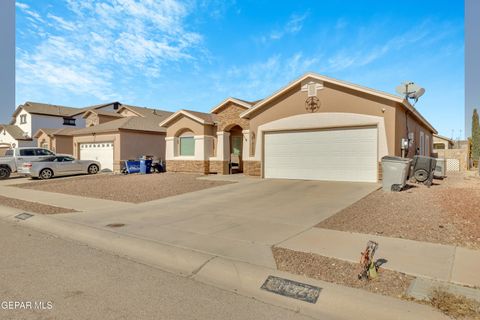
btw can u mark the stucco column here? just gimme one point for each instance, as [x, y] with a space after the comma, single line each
[223, 146]
[170, 145]
[203, 147]
[246, 145]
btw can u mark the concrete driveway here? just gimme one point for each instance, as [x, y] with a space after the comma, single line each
[239, 221]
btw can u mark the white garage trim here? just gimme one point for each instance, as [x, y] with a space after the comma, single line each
[98, 151]
[323, 120]
[337, 154]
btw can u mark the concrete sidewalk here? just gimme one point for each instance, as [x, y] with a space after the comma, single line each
[62, 200]
[335, 301]
[423, 259]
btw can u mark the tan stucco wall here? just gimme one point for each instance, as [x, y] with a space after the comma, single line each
[332, 99]
[135, 144]
[446, 143]
[413, 126]
[45, 138]
[94, 119]
[63, 144]
[184, 123]
[100, 137]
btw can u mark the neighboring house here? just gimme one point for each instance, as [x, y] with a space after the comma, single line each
[455, 153]
[128, 134]
[314, 128]
[441, 142]
[57, 140]
[12, 136]
[32, 116]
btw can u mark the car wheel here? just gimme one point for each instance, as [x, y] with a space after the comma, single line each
[93, 169]
[4, 173]
[46, 174]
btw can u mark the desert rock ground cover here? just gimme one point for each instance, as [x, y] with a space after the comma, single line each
[446, 213]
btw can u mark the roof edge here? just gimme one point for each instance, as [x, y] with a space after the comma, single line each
[184, 113]
[230, 99]
[341, 83]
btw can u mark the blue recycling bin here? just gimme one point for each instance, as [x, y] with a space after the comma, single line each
[132, 166]
[145, 166]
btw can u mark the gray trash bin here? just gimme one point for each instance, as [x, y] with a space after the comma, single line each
[395, 172]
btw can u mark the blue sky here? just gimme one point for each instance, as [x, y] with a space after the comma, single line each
[193, 54]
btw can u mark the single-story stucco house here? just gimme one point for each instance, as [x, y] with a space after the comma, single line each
[315, 127]
[57, 140]
[127, 133]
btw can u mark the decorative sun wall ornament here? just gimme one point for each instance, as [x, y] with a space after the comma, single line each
[312, 104]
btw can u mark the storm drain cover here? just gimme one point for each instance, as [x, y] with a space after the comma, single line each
[24, 216]
[292, 289]
[115, 225]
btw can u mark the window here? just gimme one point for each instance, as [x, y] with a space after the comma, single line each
[187, 146]
[23, 119]
[27, 152]
[68, 159]
[9, 153]
[438, 146]
[43, 152]
[422, 144]
[68, 121]
[427, 146]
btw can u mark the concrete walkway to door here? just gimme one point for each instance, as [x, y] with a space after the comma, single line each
[239, 221]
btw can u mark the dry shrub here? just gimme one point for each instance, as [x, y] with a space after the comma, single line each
[455, 306]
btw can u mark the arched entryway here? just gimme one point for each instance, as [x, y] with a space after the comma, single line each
[235, 148]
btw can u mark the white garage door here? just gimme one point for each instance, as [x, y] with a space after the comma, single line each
[334, 155]
[99, 151]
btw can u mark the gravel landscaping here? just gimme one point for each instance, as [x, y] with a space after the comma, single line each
[390, 283]
[32, 206]
[134, 188]
[446, 213]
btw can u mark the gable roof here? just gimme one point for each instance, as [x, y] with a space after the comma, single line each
[201, 117]
[405, 103]
[44, 109]
[443, 138]
[125, 123]
[101, 112]
[15, 132]
[240, 102]
[54, 132]
[145, 112]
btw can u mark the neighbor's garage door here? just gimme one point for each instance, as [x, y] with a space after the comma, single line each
[99, 151]
[335, 155]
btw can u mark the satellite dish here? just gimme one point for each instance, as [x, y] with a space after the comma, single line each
[418, 94]
[410, 90]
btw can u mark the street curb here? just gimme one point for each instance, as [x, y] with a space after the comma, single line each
[168, 258]
[335, 302]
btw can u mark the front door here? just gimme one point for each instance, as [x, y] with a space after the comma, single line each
[236, 146]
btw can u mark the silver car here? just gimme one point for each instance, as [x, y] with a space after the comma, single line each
[60, 165]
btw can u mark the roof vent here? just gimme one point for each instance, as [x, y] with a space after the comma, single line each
[312, 87]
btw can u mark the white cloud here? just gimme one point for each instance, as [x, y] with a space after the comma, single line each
[95, 42]
[21, 5]
[292, 26]
[61, 23]
[256, 80]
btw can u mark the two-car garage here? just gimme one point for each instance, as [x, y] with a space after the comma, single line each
[342, 154]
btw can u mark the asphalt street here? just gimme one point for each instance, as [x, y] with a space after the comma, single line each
[45, 277]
